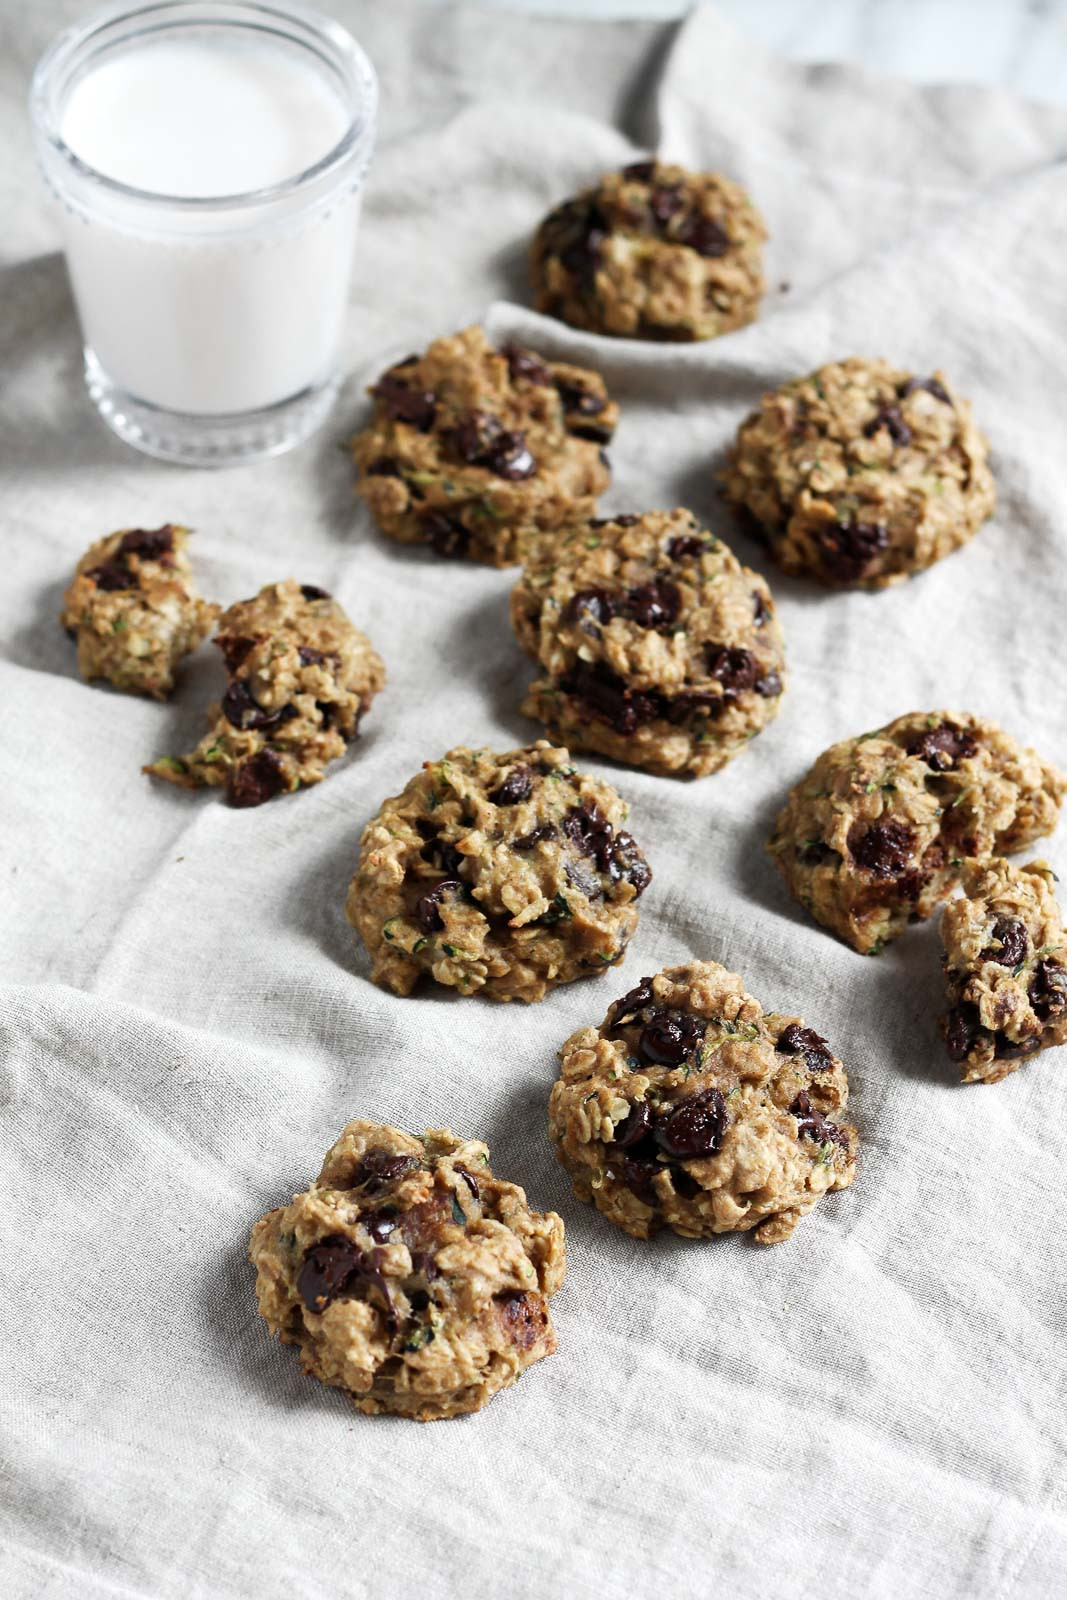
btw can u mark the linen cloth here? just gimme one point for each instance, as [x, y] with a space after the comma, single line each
[876, 1407]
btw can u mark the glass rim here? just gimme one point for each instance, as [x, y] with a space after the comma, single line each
[360, 102]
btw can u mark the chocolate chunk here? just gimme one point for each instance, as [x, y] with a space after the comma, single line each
[527, 841]
[1048, 989]
[150, 545]
[602, 694]
[634, 1000]
[515, 787]
[446, 535]
[328, 1269]
[811, 1124]
[656, 604]
[665, 201]
[636, 1126]
[257, 780]
[962, 1030]
[524, 364]
[418, 407]
[384, 467]
[637, 1175]
[1014, 1049]
[244, 712]
[931, 385]
[889, 417]
[695, 1128]
[686, 545]
[310, 657]
[111, 577]
[670, 1037]
[599, 605]
[380, 1225]
[798, 1041]
[884, 849]
[234, 650]
[578, 399]
[640, 171]
[944, 747]
[1009, 945]
[575, 232]
[703, 235]
[427, 911]
[481, 441]
[737, 670]
[311, 591]
[850, 546]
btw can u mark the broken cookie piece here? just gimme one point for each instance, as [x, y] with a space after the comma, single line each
[409, 1275]
[501, 873]
[134, 611]
[689, 1108]
[879, 832]
[1005, 958]
[471, 448]
[301, 678]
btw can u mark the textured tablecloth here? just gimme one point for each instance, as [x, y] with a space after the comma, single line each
[876, 1408]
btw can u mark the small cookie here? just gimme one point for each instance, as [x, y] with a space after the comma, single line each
[470, 447]
[861, 474]
[688, 1108]
[301, 678]
[652, 252]
[507, 874]
[1005, 969]
[409, 1275]
[134, 611]
[881, 829]
[658, 648]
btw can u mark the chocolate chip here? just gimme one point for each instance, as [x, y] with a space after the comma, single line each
[527, 841]
[761, 611]
[1010, 943]
[769, 686]
[380, 1167]
[311, 591]
[427, 911]
[640, 171]
[889, 417]
[670, 1037]
[637, 1175]
[405, 404]
[665, 201]
[685, 545]
[255, 781]
[634, 1000]
[599, 605]
[244, 712]
[481, 441]
[884, 849]
[737, 670]
[656, 604]
[627, 863]
[602, 694]
[944, 747]
[149, 545]
[515, 787]
[524, 364]
[445, 534]
[962, 1029]
[380, 1225]
[1012, 1049]
[310, 657]
[636, 1126]
[797, 1041]
[695, 1127]
[931, 385]
[850, 546]
[811, 1124]
[575, 232]
[384, 467]
[577, 398]
[595, 432]
[111, 577]
[234, 650]
[703, 235]
[327, 1271]
[1048, 989]
[616, 855]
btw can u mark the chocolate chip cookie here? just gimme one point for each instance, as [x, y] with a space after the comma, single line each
[470, 447]
[879, 832]
[409, 1275]
[1005, 969]
[301, 678]
[134, 610]
[505, 874]
[652, 252]
[861, 474]
[691, 1109]
[657, 647]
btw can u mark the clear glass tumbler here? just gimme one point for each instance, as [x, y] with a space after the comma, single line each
[212, 323]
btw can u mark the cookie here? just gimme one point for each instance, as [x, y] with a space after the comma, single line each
[499, 874]
[300, 679]
[134, 611]
[657, 647]
[469, 447]
[652, 252]
[880, 830]
[1005, 969]
[691, 1109]
[409, 1275]
[861, 474]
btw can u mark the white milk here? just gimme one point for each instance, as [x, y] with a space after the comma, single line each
[209, 309]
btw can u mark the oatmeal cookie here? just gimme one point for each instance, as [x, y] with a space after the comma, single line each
[861, 474]
[691, 1109]
[652, 252]
[301, 677]
[409, 1275]
[502, 873]
[657, 647]
[1005, 969]
[881, 829]
[470, 447]
[134, 611]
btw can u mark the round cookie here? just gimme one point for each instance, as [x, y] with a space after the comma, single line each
[688, 1108]
[861, 474]
[657, 647]
[469, 447]
[301, 677]
[652, 252]
[1005, 970]
[134, 610]
[409, 1275]
[505, 874]
[879, 832]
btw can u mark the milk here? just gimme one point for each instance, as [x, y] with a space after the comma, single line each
[210, 243]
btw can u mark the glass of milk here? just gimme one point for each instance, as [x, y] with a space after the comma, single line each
[208, 160]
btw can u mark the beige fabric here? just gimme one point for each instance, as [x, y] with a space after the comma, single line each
[875, 1408]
